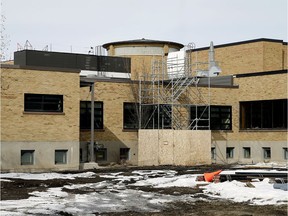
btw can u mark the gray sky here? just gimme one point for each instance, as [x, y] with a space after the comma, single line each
[81, 24]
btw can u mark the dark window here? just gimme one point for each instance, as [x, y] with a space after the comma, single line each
[27, 157]
[61, 156]
[213, 153]
[229, 152]
[220, 117]
[247, 152]
[150, 118]
[43, 103]
[101, 154]
[270, 114]
[285, 153]
[267, 152]
[85, 115]
[130, 116]
[124, 153]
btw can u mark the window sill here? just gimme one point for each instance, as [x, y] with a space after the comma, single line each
[44, 113]
[130, 130]
[88, 130]
[263, 130]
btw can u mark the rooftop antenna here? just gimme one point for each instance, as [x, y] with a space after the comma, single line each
[45, 48]
[91, 51]
[28, 45]
[19, 47]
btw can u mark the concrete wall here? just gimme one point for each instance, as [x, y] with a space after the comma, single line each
[174, 147]
[257, 152]
[44, 156]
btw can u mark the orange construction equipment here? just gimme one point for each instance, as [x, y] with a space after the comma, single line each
[209, 176]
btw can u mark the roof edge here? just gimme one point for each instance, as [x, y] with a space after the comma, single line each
[243, 42]
[142, 41]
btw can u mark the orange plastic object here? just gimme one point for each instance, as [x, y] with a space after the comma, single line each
[209, 176]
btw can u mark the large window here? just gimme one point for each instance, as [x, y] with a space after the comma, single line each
[151, 120]
[43, 103]
[220, 117]
[268, 114]
[130, 116]
[85, 115]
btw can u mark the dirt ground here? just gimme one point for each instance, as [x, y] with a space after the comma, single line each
[20, 189]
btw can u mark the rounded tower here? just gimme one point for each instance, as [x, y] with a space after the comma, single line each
[142, 53]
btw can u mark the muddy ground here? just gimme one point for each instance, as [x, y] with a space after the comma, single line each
[20, 189]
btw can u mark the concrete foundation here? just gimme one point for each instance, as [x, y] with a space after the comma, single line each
[43, 158]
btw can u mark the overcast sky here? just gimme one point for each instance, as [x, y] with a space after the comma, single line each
[62, 24]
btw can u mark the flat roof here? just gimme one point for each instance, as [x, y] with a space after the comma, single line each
[142, 41]
[243, 42]
[41, 68]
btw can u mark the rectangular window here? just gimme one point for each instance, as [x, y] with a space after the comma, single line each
[268, 114]
[247, 152]
[85, 115]
[43, 103]
[267, 152]
[61, 156]
[27, 157]
[101, 154]
[124, 153]
[130, 115]
[220, 117]
[285, 153]
[213, 153]
[229, 152]
[151, 120]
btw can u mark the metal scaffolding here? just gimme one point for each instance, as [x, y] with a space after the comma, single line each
[169, 96]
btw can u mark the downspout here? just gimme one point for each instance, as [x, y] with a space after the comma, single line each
[92, 124]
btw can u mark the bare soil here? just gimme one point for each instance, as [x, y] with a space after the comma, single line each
[20, 189]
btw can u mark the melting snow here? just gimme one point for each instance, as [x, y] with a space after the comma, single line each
[119, 192]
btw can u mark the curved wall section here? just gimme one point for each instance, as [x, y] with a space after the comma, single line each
[141, 50]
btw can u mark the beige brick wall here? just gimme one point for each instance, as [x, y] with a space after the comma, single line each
[113, 96]
[16, 125]
[285, 58]
[246, 58]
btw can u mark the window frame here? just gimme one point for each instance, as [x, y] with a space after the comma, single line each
[263, 115]
[216, 117]
[285, 150]
[245, 151]
[86, 116]
[149, 116]
[130, 126]
[44, 102]
[229, 152]
[99, 150]
[213, 153]
[32, 159]
[65, 154]
[126, 152]
[266, 150]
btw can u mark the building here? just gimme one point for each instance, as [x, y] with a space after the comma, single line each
[46, 108]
